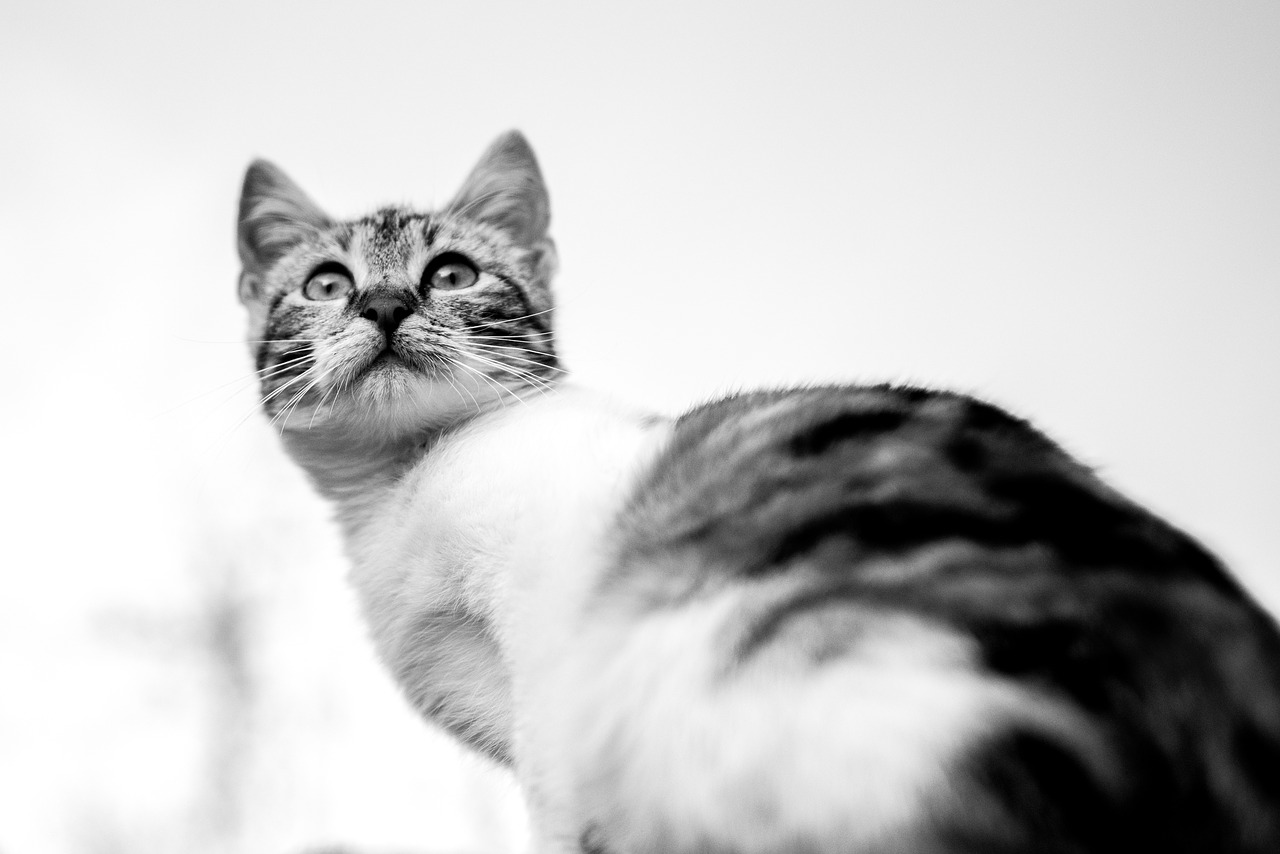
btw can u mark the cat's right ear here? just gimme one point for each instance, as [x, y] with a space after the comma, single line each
[274, 215]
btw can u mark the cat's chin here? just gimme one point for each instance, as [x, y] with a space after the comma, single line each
[391, 398]
[387, 368]
[388, 380]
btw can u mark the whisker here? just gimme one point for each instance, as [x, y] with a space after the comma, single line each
[250, 340]
[254, 374]
[488, 379]
[506, 343]
[520, 374]
[504, 320]
[522, 333]
[493, 354]
[507, 354]
[260, 405]
[294, 401]
[302, 377]
[284, 366]
[458, 387]
[528, 342]
[512, 342]
[323, 402]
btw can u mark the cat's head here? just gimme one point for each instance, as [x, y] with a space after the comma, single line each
[399, 321]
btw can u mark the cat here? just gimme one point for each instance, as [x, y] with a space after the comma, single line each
[859, 619]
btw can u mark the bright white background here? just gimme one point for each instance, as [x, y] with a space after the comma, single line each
[1070, 207]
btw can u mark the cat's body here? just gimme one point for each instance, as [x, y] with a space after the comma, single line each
[828, 619]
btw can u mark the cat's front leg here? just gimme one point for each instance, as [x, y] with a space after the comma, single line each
[553, 829]
[451, 670]
[546, 779]
[553, 842]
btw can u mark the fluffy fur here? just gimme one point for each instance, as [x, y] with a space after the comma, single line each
[813, 620]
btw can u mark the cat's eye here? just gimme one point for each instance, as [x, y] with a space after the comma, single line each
[450, 272]
[328, 283]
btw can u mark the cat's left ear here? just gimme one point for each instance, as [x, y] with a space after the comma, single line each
[505, 189]
[274, 215]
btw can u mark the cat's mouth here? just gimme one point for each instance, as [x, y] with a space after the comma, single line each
[394, 359]
[388, 360]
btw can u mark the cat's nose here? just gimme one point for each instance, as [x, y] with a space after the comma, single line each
[387, 310]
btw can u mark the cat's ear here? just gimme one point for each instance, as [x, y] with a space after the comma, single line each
[274, 215]
[505, 189]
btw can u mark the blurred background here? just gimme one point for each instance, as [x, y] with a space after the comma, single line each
[1070, 208]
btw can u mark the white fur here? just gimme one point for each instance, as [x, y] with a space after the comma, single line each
[655, 743]
[500, 522]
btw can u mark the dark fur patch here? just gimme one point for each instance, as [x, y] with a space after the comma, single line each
[966, 453]
[1085, 527]
[1258, 755]
[1059, 654]
[895, 526]
[518, 307]
[430, 229]
[983, 416]
[914, 394]
[1051, 796]
[818, 438]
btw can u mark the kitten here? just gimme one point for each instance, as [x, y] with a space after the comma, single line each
[855, 619]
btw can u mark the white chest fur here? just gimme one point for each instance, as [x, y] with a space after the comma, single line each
[469, 566]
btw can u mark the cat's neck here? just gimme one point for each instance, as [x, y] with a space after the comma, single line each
[350, 470]
[353, 461]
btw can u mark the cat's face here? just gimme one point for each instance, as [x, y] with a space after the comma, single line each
[399, 321]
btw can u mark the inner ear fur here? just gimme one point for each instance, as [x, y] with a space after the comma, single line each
[505, 189]
[274, 215]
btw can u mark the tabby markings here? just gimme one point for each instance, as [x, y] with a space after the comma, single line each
[845, 426]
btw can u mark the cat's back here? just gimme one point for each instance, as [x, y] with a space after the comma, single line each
[834, 476]
[916, 606]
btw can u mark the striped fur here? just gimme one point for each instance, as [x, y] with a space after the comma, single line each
[879, 620]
